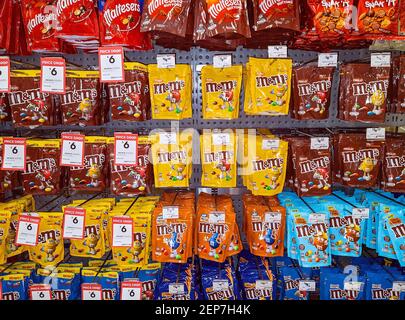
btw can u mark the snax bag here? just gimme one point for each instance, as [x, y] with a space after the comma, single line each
[5, 217]
[221, 91]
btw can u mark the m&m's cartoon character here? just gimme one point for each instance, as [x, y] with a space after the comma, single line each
[225, 170]
[136, 250]
[352, 235]
[227, 98]
[321, 175]
[214, 243]
[177, 173]
[45, 178]
[377, 99]
[174, 97]
[84, 108]
[320, 242]
[94, 174]
[91, 242]
[133, 100]
[320, 99]
[35, 111]
[49, 248]
[174, 243]
[367, 165]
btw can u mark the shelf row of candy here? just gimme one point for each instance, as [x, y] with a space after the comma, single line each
[272, 87]
[246, 278]
[69, 26]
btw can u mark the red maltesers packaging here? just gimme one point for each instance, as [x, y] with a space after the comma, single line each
[130, 100]
[363, 92]
[312, 164]
[168, 16]
[93, 176]
[77, 19]
[131, 180]
[29, 107]
[5, 112]
[81, 103]
[312, 88]
[394, 164]
[360, 160]
[221, 19]
[120, 23]
[43, 174]
[40, 23]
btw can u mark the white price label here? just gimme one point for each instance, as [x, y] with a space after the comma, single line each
[216, 217]
[72, 153]
[176, 288]
[272, 217]
[168, 138]
[264, 285]
[165, 61]
[353, 286]
[14, 154]
[361, 213]
[328, 59]
[220, 285]
[122, 232]
[131, 290]
[125, 149]
[398, 286]
[170, 212]
[40, 292]
[270, 144]
[222, 60]
[375, 134]
[320, 143]
[317, 218]
[5, 74]
[91, 291]
[221, 139]
[381, 59]
[307, 285]
[277, 51]
[111, 64]
[27, 230]
[53, 75]
[74, 223]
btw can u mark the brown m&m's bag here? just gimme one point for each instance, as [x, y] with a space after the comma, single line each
[5, 112]
[8, 179]
[394, 165]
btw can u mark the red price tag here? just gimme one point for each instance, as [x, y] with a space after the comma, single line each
[125, 149]
[14, 154]
[5, 74]
[40, 292]
[53, 75]
[131, 290]
[122, 232]
[92, 291]
[111, 64]
[74, 223]
[72, 153]
[27, 230]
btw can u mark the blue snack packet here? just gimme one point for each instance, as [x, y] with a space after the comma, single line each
[334, 287]
[14, 287]
[290, 278]
[394, 223]
[379, 285]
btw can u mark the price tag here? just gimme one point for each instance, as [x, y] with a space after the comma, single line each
[272, 217]
[74, 223]
[91, 291]
[72, 153]
[126, 149]
[167, 138]
[40, 292]
[220, 285]
[317, 218]
[361, 213]
[131, 290]
[27, 230]
[222, 60]
[353, 286]
[375, 134]
[111, 64]
[14, 154]
[398, 286]
[221, 139]
[176, 288]
[307, 285]
[320, 143]
[53, 75]
[170, 212]
[277, 51]
[382, 59]
[165, 61]
[5, 74]
[328, 59]
[270, 144]
[264, 285]
[122, 232]
[216, 217]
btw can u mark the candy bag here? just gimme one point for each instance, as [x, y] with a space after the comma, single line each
[394, 165]
[394, 223]
[221, 92]
[5, 220]
[13, 287]
[170, 92]
[8, 179]
[5, 112]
